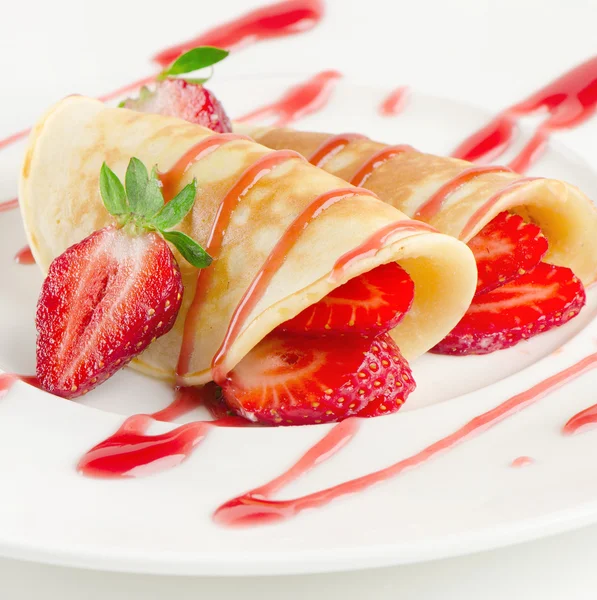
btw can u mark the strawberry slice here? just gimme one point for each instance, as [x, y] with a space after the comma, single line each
[105, 299]
[547, 297]
[371, 303]
[506, 248]
[294, 380]
[188, 101]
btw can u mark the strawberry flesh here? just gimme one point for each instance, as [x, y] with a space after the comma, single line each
[103, 302]
[505, 249]
[188, 101]
[295, 380]
[371, 303]
[546, 297]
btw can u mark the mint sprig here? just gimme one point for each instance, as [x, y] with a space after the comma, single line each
[193, 60]
[139, 206]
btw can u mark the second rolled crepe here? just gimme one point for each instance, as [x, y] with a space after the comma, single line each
[61, 204]
[410, 181]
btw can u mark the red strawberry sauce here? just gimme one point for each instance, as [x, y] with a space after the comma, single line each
[299, 101]
[584, 420]
[24, 256]
[171, 178]
[522, 461]
[131, 452]
[376, 161]
[435, 203]
[332, 146]
[569, 101]
[394, 103]
[9, 204]
[273, 21]
[7, 380]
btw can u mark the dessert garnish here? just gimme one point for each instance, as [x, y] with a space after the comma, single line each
[185, 97]
[106, 298]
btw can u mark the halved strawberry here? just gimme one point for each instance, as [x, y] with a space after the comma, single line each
[106, 298]
[179, 98]
[546, 297]
[102, 303]
[371, 303]
[294, 380]
[506, 248]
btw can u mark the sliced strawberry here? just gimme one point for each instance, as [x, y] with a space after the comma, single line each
[103, 302]
[294, 380]
[546, 297]
[189, 101]
[372, 303]
[506, 248]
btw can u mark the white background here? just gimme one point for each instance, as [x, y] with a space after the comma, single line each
[490, 53]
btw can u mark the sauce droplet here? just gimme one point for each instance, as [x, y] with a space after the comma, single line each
[583, 421]
[395, 102]
[522, 461]
[24, 256]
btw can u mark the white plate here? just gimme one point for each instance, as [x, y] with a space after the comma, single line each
[468, 499]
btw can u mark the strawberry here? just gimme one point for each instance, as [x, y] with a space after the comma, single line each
[185, 98]
[188, 101]
[506, 248]
[372, 303]
[106, 298]
[544, 298]
[294, 380]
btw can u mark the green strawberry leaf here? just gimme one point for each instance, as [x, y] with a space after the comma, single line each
[177, 209]
[189, 248]
[136, 180]
[140, 204]
[193, 60]
[112, 192]
[154, 200]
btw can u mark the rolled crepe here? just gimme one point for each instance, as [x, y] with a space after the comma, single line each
[453, 195]
[350, 233]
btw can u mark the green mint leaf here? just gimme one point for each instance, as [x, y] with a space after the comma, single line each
[136, 181]
[154, 200]
[177, 209]
[189, 248]
[112, 192]
[193, 60]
